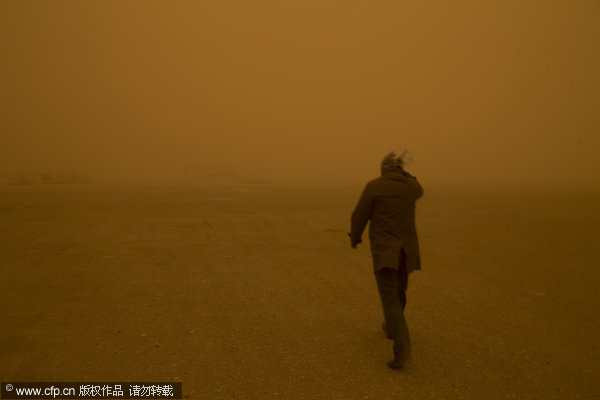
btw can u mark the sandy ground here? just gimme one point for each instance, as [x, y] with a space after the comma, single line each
[254, 293]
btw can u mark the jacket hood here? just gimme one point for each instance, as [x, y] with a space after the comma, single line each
[396, 173]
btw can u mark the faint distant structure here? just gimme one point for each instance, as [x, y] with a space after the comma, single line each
[46, 179]
[20, 179]
[68, 179]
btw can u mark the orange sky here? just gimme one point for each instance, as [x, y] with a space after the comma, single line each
[312, 91]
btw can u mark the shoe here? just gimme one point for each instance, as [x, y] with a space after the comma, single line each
[398, 361]
[384, 327]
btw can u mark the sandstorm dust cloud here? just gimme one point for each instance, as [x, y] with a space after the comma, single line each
[301, 92]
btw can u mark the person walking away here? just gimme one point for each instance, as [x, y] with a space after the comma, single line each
[388, 203]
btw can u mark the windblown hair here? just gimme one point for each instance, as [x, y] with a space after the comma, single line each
[392, 160]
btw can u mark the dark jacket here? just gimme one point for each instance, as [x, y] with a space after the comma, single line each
[389, 203]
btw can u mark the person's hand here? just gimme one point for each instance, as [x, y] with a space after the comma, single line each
[354, 243]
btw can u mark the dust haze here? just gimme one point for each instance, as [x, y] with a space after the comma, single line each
[301, 92]
[263, 120]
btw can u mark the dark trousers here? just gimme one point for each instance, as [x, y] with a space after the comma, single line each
[392, 285]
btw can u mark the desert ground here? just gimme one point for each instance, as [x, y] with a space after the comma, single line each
[253, 292]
